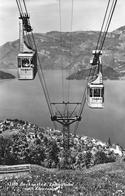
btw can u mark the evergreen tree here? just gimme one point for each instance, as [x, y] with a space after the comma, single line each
[4, 149]
[19, 148]
[36, 154]
[100, 157]
[109, 142]
[53, 151]
[88, 158]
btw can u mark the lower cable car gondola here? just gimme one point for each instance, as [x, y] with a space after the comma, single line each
[95, 93]
[27, 66]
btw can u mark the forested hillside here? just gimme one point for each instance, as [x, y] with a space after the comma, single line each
[22, 142]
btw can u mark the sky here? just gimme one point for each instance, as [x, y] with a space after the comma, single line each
[44, 16]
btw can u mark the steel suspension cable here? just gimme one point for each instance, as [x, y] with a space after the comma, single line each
[101, 33]
[103, 24]
[25, 7]
[61, 46]
[73, 111]
[108, 23]
[42, 80]
[19, 7]
[83, 102]
[71, 26]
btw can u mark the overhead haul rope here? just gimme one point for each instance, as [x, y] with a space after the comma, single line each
[98, 47]
[102, 24]
[42, 79]
[71, 39]
[25, 6]
[61, 46]
[105, 26]
[108, 23]
[19, 7]
[40, 71]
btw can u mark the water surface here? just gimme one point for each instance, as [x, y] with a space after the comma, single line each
[25, 100]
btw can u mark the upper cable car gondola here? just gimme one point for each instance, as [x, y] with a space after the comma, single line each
[95, 87]
[27, 58]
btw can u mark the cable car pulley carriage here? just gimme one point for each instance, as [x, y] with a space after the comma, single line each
[27, 57]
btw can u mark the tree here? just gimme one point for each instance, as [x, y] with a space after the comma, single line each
[19, 148]
[109, 142]
[36, 154]
[100, 157]
[111, 157]
[52, 154]
[4, 149]
[88, 159]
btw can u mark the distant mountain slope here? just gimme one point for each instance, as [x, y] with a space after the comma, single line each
[56, 52]
[8, 55]
[108, 73]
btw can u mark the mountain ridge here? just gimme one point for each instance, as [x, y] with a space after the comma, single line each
[71, 50]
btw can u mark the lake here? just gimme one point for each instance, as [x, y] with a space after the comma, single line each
[25, 100]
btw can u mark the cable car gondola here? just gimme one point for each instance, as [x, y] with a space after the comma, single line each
[95, 93]
[95, 87]
[27, 57]
[26, 66]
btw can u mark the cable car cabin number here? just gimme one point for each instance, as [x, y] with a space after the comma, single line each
[26, 66]
[95, 95]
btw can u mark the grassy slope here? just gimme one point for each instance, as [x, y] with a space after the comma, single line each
[101, 180]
